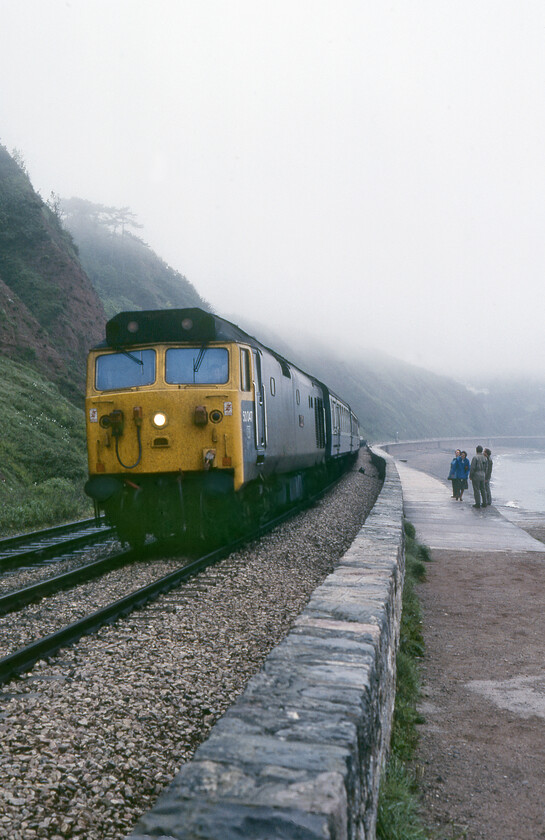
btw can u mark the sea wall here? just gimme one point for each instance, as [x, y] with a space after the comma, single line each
[470, 442]
[300, 754]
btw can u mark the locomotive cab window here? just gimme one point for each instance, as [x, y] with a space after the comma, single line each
[125, 370]
[245, 377]
[197, 366]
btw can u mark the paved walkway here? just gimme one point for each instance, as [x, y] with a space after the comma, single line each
[443, 523]
[481, 754]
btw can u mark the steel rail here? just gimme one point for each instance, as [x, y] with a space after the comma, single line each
[45, 533]
[13, 601]
[25, 658]
[52, 545]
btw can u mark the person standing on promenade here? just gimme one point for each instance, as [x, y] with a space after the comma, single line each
[454, 473]
[465, 465]
[488, 455]
[477, 474]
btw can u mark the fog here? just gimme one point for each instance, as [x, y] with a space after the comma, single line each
[370, 171]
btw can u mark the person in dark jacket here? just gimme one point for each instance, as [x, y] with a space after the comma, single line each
[477, 474]
[465, 466]
[488, 455]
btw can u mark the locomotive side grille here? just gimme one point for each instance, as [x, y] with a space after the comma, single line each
[319, 422]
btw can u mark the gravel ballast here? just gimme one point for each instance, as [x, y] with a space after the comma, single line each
[89, 739]
[18, 578]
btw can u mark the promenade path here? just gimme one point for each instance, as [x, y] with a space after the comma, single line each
[481, 756]
[442, 522]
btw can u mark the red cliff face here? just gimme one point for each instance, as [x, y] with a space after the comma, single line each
[50, 313]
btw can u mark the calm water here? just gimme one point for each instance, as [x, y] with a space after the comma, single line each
[518, 480]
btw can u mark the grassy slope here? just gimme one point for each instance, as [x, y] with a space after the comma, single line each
[43, 464]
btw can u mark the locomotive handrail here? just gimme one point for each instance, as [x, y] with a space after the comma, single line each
[256, 422]
[265, 422]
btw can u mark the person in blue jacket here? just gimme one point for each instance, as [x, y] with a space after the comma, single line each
[455, 474]
[465, 476]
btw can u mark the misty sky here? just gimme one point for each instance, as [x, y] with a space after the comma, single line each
[374, 168]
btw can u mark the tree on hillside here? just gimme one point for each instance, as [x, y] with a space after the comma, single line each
[124, 270]
[78, 211]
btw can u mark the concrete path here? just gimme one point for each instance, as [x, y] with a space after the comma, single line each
[480, 760]
[443, 523]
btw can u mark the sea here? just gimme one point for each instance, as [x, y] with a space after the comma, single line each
[518, 480]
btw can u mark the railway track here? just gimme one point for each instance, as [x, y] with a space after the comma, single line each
[28, 549]
[13, 601]
[92, 735]
[22, 660]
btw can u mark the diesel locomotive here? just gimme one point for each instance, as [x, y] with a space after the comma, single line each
[195, 429]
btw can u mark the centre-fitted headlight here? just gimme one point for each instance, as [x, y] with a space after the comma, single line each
[159, 419]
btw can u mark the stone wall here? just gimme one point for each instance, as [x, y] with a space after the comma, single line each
[300, 754]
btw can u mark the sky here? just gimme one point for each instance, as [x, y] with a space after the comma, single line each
[369, 171]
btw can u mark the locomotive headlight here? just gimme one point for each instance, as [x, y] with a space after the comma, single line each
[159, 420]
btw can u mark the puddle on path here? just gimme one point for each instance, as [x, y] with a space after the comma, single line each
[524, 696]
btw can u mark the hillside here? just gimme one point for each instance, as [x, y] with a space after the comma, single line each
[57, 287]
[124, 271]
[50, 312]
[43, 464]
[394, 399]
[391, 398]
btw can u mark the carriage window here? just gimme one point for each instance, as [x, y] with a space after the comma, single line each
[245, 379]
[273, 386]
[125, 370]
[197, 366]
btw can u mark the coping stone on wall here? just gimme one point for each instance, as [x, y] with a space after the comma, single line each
[300, 753]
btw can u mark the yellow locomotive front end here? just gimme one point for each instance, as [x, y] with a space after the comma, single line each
[164, 431]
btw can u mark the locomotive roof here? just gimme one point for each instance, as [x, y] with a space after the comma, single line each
[154, 326]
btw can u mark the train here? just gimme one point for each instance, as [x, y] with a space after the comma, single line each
[196, 430]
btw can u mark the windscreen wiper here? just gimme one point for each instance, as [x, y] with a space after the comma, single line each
[130, 356]
[198, 361]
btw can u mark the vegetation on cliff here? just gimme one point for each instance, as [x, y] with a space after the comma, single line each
[125, 272]
[43, 465]
[50, 313]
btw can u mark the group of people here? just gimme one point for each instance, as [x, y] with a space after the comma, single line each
[478, 472]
